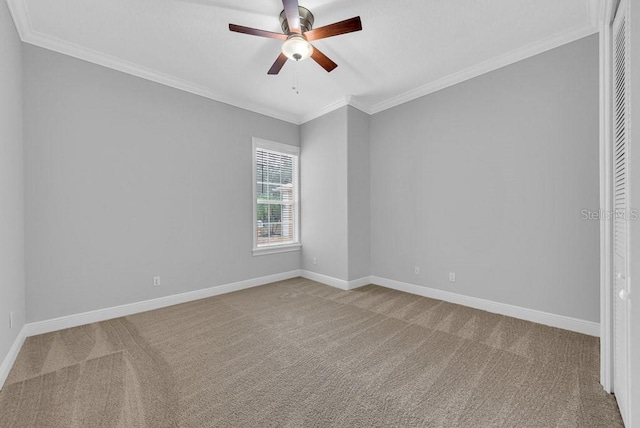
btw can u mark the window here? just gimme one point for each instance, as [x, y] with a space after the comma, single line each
[275, 198]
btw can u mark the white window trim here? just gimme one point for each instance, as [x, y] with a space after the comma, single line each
[286, 149]
[275, 249]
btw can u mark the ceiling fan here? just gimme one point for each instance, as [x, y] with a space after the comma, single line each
[297, 33]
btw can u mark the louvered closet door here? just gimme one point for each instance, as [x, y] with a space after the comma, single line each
[620, 170]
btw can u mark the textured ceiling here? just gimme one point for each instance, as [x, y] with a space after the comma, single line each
[407, 48]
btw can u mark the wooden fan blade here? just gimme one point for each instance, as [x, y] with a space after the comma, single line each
[293, 15]
[342, 27]
[277, 66]
[256, 32]
[323, 60]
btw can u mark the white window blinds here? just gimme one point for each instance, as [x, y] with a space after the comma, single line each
[276, 194]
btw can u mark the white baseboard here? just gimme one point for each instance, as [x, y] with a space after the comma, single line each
[325, 279]
[40, 327]
[335, 282]
[11, 356]
[360, 282]
[560, 321]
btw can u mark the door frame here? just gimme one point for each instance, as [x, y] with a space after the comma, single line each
[606, 15]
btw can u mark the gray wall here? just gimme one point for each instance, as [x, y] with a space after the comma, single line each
[12, 283]
[323, 189]
[127, 179]
[634, 238]
[488, 179]
[359, 193]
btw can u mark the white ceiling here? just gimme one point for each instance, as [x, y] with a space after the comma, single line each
[407, 48]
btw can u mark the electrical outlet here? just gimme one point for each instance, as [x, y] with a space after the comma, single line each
[315, 260]
[156, 281]
[10, 319]
[416, 269]
[452, 276]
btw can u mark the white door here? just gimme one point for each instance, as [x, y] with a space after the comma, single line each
[621, 205]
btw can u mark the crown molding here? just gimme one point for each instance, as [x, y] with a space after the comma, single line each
[20, 15]
[348, 100]
[118, 64]
[324, 110]
[359, 104]
[488, 66]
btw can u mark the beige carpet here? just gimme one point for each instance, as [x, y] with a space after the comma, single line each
[297, 353]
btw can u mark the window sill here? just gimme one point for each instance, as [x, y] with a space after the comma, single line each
[261, 251]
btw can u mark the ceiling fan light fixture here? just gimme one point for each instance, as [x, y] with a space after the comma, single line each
[297, 33]
[297, 48]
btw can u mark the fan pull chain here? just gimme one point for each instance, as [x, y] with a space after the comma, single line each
[295, 86]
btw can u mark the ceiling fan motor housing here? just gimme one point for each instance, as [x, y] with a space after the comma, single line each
[306, 20]
[296, 45]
